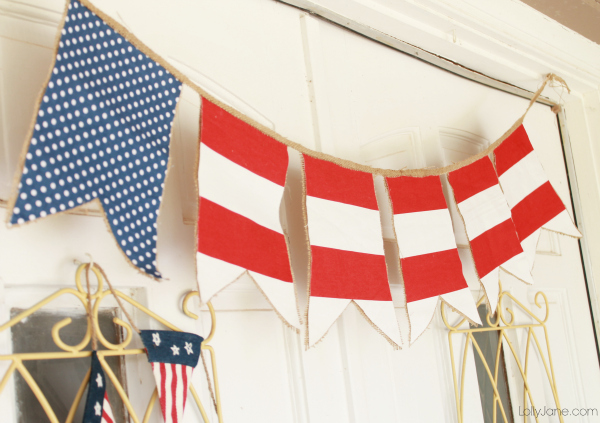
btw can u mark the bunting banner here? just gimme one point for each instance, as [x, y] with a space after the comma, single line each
[533, 202]
[173, 356]
[241, 178]
[429, 260]
[102, 134]
[489, 226]
[97, 407]
[346, 246]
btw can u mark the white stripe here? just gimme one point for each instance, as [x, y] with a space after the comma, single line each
[343, 226]
[491, 285]
[529, 246]
[157, 378]
[190, 371]
[239, 190]
[179, 390]
[383, 316]
[522, 179]
[424, 232]
[519, 267]
[281, 295]
[420, 314]
[106, 408]
[483, 211]
[214, 275]
[322, 312]
[462, 300]
[168, 397]
[563, 224]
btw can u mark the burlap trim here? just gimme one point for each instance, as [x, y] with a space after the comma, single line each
[387, 270]
[564, 234]
[387, 338]
[12, 200]
[288, 246]
[389, 197]
[341, 162]
[309, 265]
[285, 322]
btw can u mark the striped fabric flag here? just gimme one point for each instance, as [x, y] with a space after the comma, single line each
[242, 176]
[102, 134]
[490, 229]
[97, 407]
[533, 203]
[173, 356]
[346, 243]
[429, 260]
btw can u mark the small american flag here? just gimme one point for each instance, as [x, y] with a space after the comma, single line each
[173, 356]
[97, 408]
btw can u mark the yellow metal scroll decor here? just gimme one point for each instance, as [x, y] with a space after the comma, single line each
[503, 324]
[92, 302]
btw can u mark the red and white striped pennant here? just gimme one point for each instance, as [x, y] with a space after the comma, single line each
[242, 175]
[173, 357]
[107, 414]
[346, 243]
[533, 202]
[490, 229]
[172, 382]
[430, 264]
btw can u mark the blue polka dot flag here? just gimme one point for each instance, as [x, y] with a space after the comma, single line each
[102, 132]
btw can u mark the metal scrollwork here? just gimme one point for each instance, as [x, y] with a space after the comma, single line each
[92, 303]
[503, 323]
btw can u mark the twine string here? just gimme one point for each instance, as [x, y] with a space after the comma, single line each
[114, 293]
[209, 382]
[89, 306]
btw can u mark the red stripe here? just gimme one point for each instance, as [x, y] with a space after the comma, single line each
[243, 144]
[332, 182]
[472, 179]
[236, 239]
[411, 195]
[185, 384]
[163, 389]
[535, 210]
[495, 247]
[430, 275]
[174, 393]
[347, 274]
[105, 417]
[512, 150]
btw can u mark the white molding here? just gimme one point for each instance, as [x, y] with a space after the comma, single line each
[502, 39]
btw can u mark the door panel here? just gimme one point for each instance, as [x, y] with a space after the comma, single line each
[336, 92]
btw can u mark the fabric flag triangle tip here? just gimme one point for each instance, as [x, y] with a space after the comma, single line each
[173, 356]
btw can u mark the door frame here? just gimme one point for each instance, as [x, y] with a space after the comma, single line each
[509, 46]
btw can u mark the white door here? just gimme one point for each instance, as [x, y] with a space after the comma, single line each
[335, 92]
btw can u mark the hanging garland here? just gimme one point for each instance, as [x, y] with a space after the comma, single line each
[102, 132]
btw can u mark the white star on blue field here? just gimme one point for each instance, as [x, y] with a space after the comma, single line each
[102, 131]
